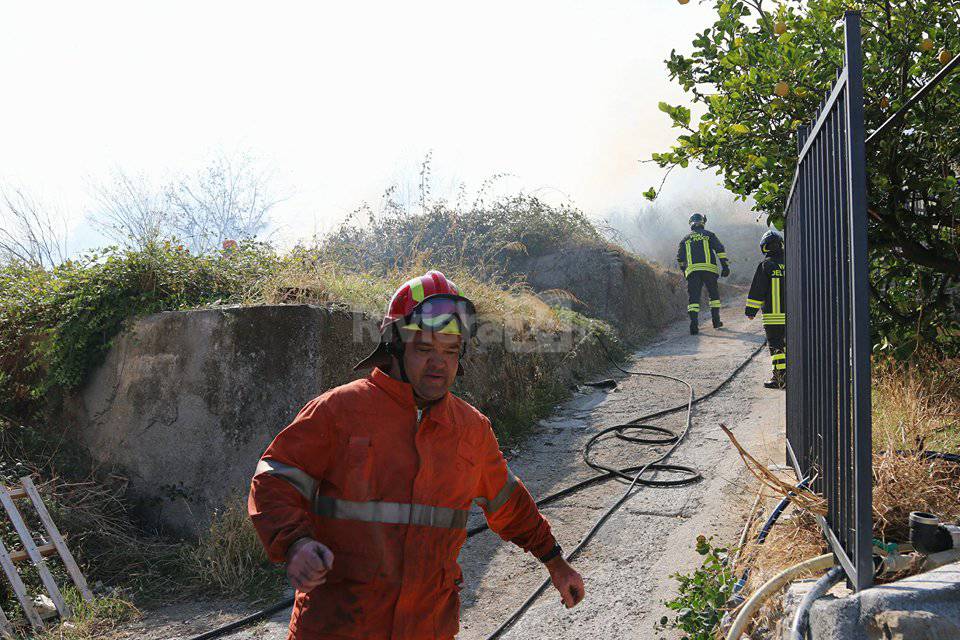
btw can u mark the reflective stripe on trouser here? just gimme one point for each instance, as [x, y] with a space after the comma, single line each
[696, 281]
[714, 304]
[777, 341]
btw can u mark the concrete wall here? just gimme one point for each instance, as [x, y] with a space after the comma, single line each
[635, 296]
[186, 402]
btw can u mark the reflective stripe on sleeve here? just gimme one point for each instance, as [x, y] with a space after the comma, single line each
[754, 304]
[722, 255]
[391, 513]
[300, 479]
[504, 494]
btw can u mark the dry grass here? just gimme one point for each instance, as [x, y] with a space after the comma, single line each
[905, 483]
[230, 560]
[90, 620]
[308, 279]
[917, 407]
[914, 410]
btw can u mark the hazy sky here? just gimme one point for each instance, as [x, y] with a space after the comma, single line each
[340, 99]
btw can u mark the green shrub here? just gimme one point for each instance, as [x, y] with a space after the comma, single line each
[55, 326]
[702, 595]
[480, 236]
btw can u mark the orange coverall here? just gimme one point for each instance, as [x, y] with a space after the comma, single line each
[389, 493]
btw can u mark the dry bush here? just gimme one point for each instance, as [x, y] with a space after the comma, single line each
[229, 559]
[916, 406]
[905, 483]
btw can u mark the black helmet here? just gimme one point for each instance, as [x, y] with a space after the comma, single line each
[697, 220]
[771, 242]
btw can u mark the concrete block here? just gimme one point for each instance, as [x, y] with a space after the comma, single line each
[923, 606]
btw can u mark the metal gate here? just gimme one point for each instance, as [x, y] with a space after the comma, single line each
[828, 342]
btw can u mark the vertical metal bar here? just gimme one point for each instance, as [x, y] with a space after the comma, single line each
[829, 293]
[821, 302]
[843, 388]
[859, 302]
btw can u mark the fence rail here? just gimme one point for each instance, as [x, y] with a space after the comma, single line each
[828, 391]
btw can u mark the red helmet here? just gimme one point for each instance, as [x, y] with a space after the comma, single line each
[429, 302]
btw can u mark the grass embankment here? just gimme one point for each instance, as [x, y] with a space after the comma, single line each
[57, 325]
[916, 408]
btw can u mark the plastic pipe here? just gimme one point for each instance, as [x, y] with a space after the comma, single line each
[770, 587]
[798, 631]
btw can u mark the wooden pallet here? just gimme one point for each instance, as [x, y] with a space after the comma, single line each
[36, 554]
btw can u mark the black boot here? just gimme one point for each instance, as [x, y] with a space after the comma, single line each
[694, 323]
[715, 313]
[777, 381]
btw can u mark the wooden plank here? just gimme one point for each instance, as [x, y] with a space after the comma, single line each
[26, 539]
[58, 540]
[19, 588]
[46, 551]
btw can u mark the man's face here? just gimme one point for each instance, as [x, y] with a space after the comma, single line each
[430, 360]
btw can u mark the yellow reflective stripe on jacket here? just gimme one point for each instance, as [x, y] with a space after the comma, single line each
[754, 304]
[702, 266]
[706, 251]
[775, 296]
[689, 245]
[391, 513]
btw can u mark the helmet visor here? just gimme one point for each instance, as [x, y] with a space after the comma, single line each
[443, 313]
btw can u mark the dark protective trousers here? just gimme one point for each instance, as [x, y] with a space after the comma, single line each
[695, 283]
[777, 341]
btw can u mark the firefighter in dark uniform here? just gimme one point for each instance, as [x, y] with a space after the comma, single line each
[767, 294]
[702, 260]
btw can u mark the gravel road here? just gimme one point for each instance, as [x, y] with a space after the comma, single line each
[627, 566]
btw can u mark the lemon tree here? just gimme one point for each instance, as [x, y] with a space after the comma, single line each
[760, 71]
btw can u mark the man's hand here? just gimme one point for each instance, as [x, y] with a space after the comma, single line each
[567, 581]
[308, 562]
[725, 271]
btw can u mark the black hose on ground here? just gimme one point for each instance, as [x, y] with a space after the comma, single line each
[622, 432]
[636, 479]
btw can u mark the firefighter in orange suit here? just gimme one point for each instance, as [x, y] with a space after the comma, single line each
[365, 495]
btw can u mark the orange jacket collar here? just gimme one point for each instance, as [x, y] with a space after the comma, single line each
[402, 392]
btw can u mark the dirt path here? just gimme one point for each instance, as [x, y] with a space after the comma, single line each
[627, 565]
